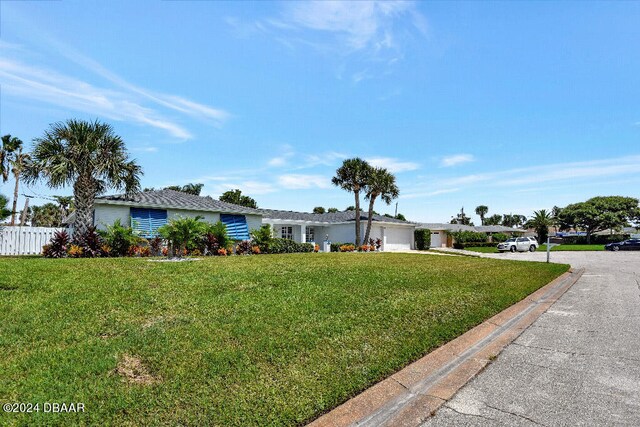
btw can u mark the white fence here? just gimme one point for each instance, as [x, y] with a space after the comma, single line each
[24, 240]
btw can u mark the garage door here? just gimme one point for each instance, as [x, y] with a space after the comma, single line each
[436, 239]
[398, 238]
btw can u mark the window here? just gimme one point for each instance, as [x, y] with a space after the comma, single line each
[310, 234]
[146, 222]
[287, 232]
[237, 228]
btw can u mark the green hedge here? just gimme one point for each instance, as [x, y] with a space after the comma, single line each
[603, 240]
[474, 245]
[287, 246]
[422, 238]
[468, 236]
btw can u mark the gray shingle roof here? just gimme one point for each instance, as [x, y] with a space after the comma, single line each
[177, 200]
[334, 217]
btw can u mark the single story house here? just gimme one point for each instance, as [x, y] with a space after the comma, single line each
[440, 236]
[149, 210]
[395, 234]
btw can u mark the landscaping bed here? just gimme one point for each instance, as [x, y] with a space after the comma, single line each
[244, 340]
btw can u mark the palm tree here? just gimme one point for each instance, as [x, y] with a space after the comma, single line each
[88, 156]
[4, 211]
[47, 215]
[382, 183]
[481, 211]
[65, 204]
[541, 221]
[12, 160]
[353, 176]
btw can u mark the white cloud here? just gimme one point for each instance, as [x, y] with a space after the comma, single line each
[277, 161]
[429, 193]
[301, 181]
[145, 149]
[358, 25]
[392, 164]
[456, 159]
[249, 188]
[56, 89]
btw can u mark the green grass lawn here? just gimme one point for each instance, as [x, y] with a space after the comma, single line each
[260, 340]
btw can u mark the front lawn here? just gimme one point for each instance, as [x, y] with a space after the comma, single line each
[244, 340]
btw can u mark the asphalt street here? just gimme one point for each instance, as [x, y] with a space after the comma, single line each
[577, 364]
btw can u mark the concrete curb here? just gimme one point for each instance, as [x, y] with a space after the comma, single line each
[412, 395]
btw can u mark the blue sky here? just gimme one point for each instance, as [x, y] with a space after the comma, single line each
[519, 106]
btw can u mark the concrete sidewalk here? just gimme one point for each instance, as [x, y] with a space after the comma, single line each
[578, 364]
[409, 396]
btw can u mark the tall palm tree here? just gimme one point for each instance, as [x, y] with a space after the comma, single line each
[541, 221]
[481, 211]
[65, 205]
[382, 183]
[353, 176]
[88, 156]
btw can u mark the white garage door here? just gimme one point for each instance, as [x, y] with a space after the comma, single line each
[398, 238]
[436, 239]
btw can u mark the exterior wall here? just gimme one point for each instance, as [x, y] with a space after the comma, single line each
[107, 215]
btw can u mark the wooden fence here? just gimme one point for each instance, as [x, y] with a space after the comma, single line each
[24, 240]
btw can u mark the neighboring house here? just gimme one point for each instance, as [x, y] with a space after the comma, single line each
[440, 236]
[147, 211]
[339, 227]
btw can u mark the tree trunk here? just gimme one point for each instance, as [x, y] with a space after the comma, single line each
[357, 196]
[15, 199]
[369, 219]
[84, 193]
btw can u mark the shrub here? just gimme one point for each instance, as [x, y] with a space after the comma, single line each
[219, 231]
[90, 242]
[183, 233]
[57, 247]
[287, 246]
[243, 248]
[335, 247]
[119, 238]
[468, 236]
[316, 248]
[262, 237]
[347, 248]
[255, 250]
[499, 237]
[74, 251]
[222, 252]
[422, 238]
[105, 250]
[155, 246]
[366, 248]
[474, 245]
[196, 252]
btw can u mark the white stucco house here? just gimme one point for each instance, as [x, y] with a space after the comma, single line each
[149, 210]
[395, 234]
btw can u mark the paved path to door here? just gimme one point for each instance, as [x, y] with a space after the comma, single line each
[578, 364]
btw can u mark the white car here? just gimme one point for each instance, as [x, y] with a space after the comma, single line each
[520, 244]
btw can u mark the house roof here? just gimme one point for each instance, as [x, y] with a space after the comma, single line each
[498, 229]
[328, 218]
[175, 199]
[625, 230]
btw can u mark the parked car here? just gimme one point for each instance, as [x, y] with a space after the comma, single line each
[627, 245]
[520, 244]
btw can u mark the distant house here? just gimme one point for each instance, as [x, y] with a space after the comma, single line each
[440, 231]
[394, 234]
[149, 210]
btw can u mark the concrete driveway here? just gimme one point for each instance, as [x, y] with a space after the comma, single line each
[578, 364]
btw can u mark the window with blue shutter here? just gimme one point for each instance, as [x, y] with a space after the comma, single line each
[237, 227]
[145, 222]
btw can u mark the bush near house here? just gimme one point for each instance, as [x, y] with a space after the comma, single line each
[422, 238]
[499, 237]
[468, 236]
[474, 245]
[287, 246]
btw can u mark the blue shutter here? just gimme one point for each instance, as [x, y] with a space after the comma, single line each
[145, 222]
[237, 227]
